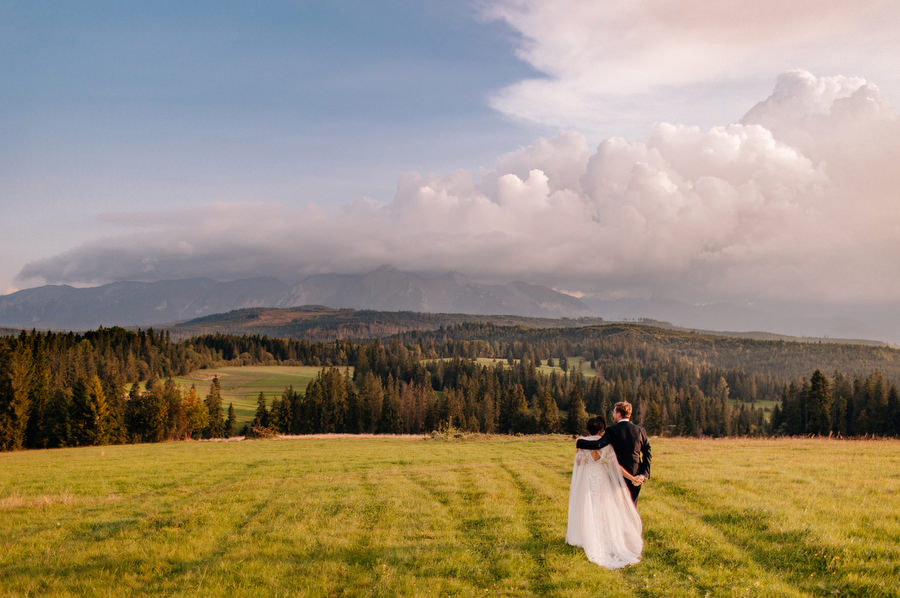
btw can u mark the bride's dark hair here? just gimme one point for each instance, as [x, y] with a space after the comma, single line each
[596, 425]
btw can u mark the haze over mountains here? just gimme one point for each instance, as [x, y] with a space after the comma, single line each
[385, 289]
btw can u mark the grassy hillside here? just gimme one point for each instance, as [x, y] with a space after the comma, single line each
[407, 516]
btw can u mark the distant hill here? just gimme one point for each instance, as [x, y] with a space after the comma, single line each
[132, 303]
[645, 342]
[318, 323]
[168, 301]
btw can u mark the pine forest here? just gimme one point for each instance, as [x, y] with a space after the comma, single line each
[116, 385]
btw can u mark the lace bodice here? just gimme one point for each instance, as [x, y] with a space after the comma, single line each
[586, 457]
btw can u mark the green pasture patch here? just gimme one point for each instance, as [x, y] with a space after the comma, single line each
[241, 385]
[766, 406]
[492, 361]
[579, 364]
[413, 516]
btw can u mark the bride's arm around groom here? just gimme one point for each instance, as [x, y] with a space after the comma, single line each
[630, 443]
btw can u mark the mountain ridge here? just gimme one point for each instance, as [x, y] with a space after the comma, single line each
[130, 303]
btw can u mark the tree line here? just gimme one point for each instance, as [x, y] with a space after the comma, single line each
[115, 385]
[840, 405]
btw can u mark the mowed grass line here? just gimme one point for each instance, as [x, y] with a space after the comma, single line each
[409, 516]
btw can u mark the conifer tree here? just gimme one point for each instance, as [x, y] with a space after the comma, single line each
[390, 422]
[549, 413]
[506, 412]
[91, 413]
[134, 414]
[876, 403]
[653, 421]
[230, 421]
[297, 410]
[36, 433]
[146, 413]
[792, 410]
[280, 415]
[335, 405]
[520, 419]
[818, 405]
[576, 421]
[59, 418]
[487, 413]
[216, 425]
[176, 418]
[15, 380]
[285, 414]
[261, 419]
[312, 408]
[893, 412]
[196, 413]
[354, 421]
[371, 396]
[842, 393]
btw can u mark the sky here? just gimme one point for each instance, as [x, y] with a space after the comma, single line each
[726, 151]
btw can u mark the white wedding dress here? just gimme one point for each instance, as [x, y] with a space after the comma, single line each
[602, 518]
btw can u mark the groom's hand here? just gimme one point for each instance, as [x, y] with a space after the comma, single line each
[638, 480]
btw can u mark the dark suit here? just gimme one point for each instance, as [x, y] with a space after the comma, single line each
[632, 448]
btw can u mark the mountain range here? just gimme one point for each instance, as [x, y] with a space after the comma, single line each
[168, 301]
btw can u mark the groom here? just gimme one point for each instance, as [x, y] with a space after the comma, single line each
[630, 444]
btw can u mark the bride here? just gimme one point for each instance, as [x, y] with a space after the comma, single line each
[602, 517]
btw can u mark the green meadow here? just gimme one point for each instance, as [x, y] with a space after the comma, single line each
[579, 364]
[413, 516]
[241, 385]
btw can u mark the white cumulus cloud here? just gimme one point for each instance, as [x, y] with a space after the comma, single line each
[609, 65]
[798, 201]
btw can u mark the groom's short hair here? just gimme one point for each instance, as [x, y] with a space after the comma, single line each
[623, 408]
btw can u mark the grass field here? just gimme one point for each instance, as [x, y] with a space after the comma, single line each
[410, 516]
[242, 385]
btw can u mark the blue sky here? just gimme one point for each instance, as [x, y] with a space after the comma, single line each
[121, 106]
[682, 149]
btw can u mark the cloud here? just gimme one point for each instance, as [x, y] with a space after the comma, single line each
[609, 65]
[796, 202]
